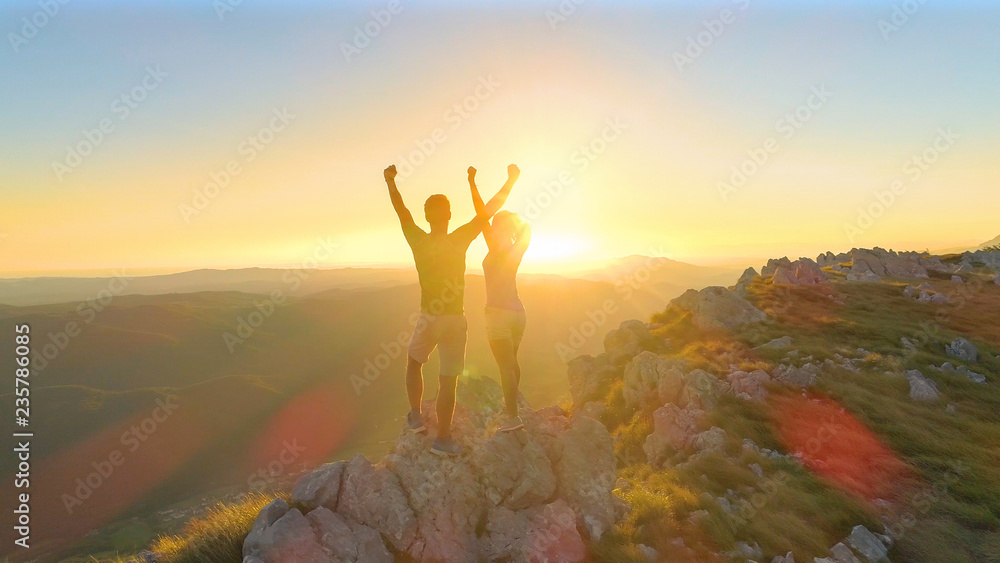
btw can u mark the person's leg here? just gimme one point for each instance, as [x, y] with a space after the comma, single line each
[422, 343]
[503, 353]
[454, 336]
[414, 383]
[446, 405]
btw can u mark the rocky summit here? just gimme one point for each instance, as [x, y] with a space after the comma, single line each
[529, 495]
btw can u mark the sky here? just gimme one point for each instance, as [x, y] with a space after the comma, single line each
[175, 135]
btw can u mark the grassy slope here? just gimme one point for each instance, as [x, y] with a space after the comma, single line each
[938, 513]
[937, 517]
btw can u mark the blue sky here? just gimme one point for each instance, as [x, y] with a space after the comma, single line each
[656, 186]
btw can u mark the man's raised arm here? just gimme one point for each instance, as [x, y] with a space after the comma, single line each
[497, 201]
[405, 218]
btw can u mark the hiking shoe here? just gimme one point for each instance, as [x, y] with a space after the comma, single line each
[445, 448]
[510, 423]
[415, 423]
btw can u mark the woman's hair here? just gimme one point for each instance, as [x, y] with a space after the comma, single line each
[507, 225]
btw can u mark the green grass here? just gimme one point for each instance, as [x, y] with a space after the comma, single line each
[959, 520]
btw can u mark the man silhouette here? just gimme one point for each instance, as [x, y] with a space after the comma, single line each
[440, 260]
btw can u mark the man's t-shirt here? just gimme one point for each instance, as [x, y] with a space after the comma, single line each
[440, 261]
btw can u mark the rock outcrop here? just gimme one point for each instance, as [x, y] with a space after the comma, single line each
[800, 272]
[529, 495]
[717, 307]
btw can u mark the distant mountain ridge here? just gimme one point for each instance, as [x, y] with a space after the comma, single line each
[671, 275]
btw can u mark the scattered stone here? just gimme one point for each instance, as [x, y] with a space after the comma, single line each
[957, 279]
[921, 388]
[757, 470]
[950, 408]
[649, 553]
[745, 280]
[718, 308]
[963, 350]
[910, 291]
[865, 543]
[749, 386]
[908, 344]
[783, 342]
[702, 389]
[843, 554]
[787, 558]
[804, 376]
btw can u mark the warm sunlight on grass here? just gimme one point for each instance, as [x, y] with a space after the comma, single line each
[216, 536]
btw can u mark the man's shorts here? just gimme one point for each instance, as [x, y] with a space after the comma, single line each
[448, 332]
[505, 324]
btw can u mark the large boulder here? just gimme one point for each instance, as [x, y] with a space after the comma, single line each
[745, 280]
[962, 349]
[800, 272]
[673, 427]
[882, 263]
[348, 541]
[718, 308]
[321, 487]
[773, 264]
[546, 533]
[589, 377]
[289, 539]
[650, 376]
[514, 471]
[373, 496]
[585, 470]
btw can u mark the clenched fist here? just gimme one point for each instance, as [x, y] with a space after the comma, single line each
[472, 174]
[390, 173]
[513, 172]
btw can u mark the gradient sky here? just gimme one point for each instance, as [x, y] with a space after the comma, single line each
[653, 190]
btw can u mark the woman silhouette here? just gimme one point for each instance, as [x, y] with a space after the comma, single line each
[507, 239]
